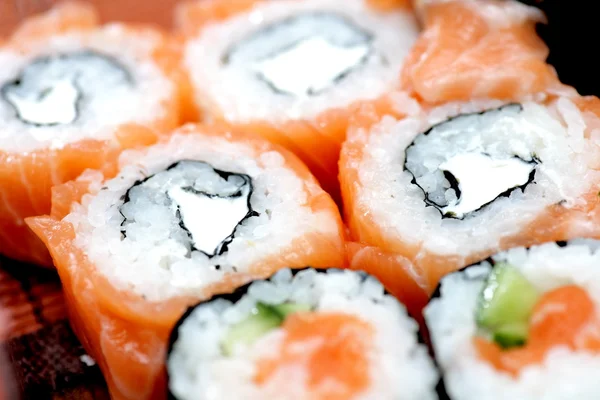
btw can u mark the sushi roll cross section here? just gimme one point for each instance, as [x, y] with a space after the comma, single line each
[54, 90]
[294, 70]
[461, 167]
[452, 184]
[206, 204]
[307, 334]
[73, 94]
[522, 324]
[334, 47]
[203, 211]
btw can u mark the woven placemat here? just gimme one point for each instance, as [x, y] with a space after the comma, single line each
[45, 358]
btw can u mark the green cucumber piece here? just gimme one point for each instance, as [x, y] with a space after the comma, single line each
[285, 309]
[263, 319]
[507, 298]
[511, 335]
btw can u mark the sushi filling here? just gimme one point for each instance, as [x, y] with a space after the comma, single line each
[306, 54]
[263, 319]
[205, 205]
[460, 172]
[505, 306]
[525, 324]
[52, 90]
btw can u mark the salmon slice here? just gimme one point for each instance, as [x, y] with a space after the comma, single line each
[395, 272]
[559, 319]
[26, 178]
[125, 333]
[332, 347]
[478, 49]
[386, 5]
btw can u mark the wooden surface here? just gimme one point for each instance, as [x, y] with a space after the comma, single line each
[44, 355]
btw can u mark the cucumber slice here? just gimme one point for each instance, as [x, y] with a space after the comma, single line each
[507, 298]
[511, 335]
[286, 309]
[263, 319]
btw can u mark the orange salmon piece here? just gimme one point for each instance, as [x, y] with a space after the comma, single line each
[394, 272]
[386, 5]
[331, 347]
[477, 50]
[26, 178]
[558, 319]
[108, 320]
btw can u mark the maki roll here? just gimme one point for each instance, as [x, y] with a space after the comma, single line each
[200, 212]
[431, 193]
[522, 324]
[73, 94]
[478, 49]
[293, 71]
[328, 334]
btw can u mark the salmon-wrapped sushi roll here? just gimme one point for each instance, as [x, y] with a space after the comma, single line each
[478, 49]
[316, 335]
[292, 70]
[199, 213]
[523, 324]
[431, 193]
[73, 94]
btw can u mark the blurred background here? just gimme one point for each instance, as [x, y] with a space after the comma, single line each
[155, 11]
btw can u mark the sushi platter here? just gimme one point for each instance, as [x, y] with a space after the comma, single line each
[297, 200]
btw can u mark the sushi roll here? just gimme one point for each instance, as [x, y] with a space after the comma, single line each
[201, 212]
[73, 94]
[315, 334]
[293, 71]
[522, 324]
[478, 49]
[447, 186]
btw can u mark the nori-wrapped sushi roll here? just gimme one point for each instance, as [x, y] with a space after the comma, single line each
[315, 334]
